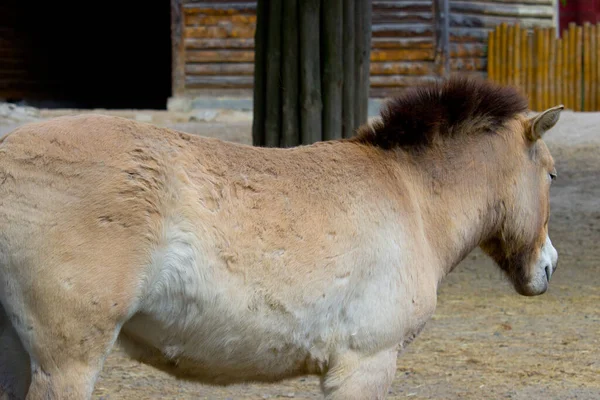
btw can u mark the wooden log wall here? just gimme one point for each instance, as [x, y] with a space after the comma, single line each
[219, 45]
[471, 20]
[548, 69]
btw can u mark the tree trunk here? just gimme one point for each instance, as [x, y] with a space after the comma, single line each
[310, 72]
[260, 52]
[348, 108]
[333, 73]
[311, 76]
[362, 54]
[290, 128]
[273, 92]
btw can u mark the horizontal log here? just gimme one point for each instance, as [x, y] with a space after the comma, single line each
[399, 80]
[402, 55]
[221, 31]
[486, 21]
[220, 69]
[213, 8]
[219, 56]
[520, 2]
[468, 35]
[402, 43]
[468, 49]
[197, 82]
[403, 30]
[194, 43]
[468, 64]
[503, 9]
[203, 19]
[408, 6]
[403, 17]
[402, 68]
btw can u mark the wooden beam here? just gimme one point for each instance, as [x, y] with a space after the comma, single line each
[273, 77]
[349, 75]
[363, 13]
[333, 74]
[177, 49]
[260, 75]
[310, 72]
[290, 111]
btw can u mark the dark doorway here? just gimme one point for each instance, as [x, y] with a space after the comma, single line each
[108, 54]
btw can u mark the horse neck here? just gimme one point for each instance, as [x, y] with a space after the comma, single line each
[461, 189]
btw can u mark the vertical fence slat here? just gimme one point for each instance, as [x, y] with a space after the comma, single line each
[490, 54]
[516, 66]
[579, 69]
[558, 72]
[510, 47]
[545, 68]
[551, 67]
[572, 64]
[593, 69]
[524, 64]
[530, 69]
[539, 48]
[586, 67]
[597, 51]
[566, 81]
[503, 53]
[498, 55]
[548, 69]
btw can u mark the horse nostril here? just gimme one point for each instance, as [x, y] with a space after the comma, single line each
[548, 272]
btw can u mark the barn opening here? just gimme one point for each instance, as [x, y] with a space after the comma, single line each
[110, 54]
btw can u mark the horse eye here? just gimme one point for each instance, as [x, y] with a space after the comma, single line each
[552, 175]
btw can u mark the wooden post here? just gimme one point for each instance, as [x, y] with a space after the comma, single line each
[593, 69]
[579, 69]
[490, 55]
[531, 70]
[333, 73]
[273, 91]
[552, 67]
[503, 53]
[498, 55]
[349, 73]
[524, 62]
[177, 49]
[586, 67]
[310, 72]
[362, 60]
[510, 55]
[559, 76]
[517, 56]
[545, 69]
[566, 81]
[573, 65]
[597, 50]
[260, 73]
[290, 111]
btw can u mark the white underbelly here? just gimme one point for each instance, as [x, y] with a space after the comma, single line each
[206, 322]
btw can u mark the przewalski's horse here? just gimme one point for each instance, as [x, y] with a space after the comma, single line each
[226, 263]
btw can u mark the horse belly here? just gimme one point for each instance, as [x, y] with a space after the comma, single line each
[195, 323]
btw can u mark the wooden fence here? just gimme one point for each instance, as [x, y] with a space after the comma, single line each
[550, 70]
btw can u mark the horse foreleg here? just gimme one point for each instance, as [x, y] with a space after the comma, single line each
[351, 377]
[14, 362]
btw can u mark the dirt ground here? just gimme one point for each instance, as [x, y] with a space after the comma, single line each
[484, 341]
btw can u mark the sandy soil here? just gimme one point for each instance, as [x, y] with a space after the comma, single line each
[484, 341]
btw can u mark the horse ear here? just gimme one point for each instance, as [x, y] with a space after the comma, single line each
[543, 122]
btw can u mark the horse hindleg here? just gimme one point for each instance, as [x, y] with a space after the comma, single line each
[14, 362]
[365, 378]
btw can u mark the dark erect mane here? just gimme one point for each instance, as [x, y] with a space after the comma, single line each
[448, 108]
